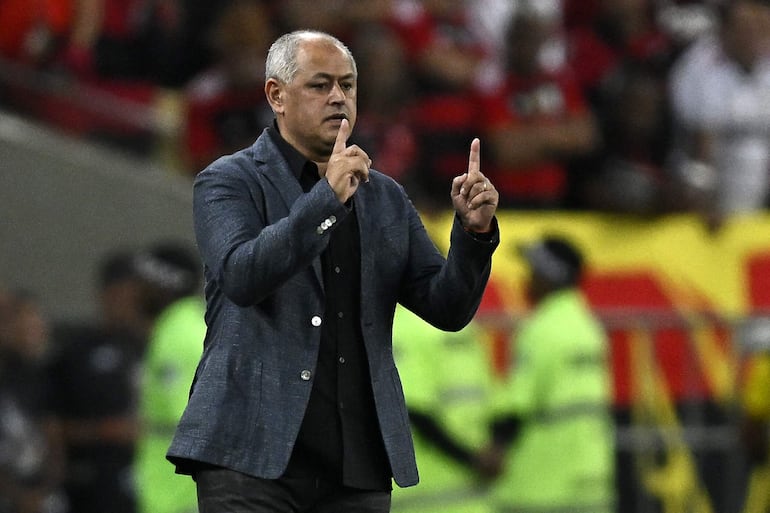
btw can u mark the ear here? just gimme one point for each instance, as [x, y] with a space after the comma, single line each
[274, 94]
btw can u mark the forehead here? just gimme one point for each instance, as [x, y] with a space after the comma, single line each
[320, 56]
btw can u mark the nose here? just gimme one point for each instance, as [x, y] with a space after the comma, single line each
[337, 94]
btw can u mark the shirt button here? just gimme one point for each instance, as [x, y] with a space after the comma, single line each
[342, 359]
[315, 321]
[305, 375]
[340, 315]
[337, 269]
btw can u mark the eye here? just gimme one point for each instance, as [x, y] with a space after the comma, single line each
[318, 85]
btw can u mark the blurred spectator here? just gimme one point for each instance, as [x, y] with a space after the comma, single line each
[620, 56]
[444, 52]
[448, 410]
[225, 105]
[535, 121]
[111, 77]
[600, 40]
[33, 32]
[118, 51]
[94, 373]
[171, 277]
[31, 36]
[553, 428]
[685, 20]
[628, 173]
[385, 91]
[30, 444]
[444, 62]
[720, 93]
[157, 41]
[490, 20]
[338, 17]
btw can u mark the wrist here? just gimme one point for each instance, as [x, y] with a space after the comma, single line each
[484, 236]
[478, 231]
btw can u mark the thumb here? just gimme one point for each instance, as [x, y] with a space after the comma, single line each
[342, 136]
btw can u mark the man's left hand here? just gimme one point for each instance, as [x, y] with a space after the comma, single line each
[474, 197]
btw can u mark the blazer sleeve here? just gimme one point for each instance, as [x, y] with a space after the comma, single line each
[250, 241]
[447, 292]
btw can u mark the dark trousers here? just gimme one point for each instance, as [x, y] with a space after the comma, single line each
[226, 491]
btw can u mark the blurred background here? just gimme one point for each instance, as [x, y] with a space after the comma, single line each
[641, 128]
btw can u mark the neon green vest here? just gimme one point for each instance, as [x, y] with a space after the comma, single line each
[446, 375]
[173, 354]
[563, 457]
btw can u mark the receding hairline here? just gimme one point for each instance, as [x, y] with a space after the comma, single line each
[282, 66]
[323, 37]
[308, 35]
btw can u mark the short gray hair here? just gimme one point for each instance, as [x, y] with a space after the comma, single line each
[281, 62]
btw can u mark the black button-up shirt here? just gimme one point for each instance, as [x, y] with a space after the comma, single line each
[340, 438]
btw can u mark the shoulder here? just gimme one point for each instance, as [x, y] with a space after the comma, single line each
[388, 181]
[701, 55]
[243, 163]
[384, 192]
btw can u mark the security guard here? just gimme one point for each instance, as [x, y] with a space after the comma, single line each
[553, 428]
[170, 272]
[447, 384]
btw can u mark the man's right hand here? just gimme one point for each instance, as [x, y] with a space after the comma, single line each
[347, 166]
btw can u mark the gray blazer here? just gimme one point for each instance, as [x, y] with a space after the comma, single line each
[260, 239]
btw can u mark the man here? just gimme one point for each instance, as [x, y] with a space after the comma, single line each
[537, 119]
[224, 106]
[553, 428]
[170, 276]
[296, 405]
[31, 465]
[447, 381]
[719, 89]
[93, 370]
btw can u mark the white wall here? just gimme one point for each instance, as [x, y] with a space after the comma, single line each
[64, 203]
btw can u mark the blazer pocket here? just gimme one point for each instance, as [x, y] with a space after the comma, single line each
[245, 396]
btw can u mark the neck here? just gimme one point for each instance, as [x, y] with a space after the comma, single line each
[321, 167]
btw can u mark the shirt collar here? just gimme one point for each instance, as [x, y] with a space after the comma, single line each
[298, 163]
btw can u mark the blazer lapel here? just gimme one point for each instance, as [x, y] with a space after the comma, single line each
[285, 183]
[366, 227]
[277, 171]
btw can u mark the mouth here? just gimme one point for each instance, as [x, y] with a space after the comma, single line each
[336, 117]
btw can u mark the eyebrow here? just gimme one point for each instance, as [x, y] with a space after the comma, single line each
[329, 76]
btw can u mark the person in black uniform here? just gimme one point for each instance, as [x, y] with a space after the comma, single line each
[95, 371]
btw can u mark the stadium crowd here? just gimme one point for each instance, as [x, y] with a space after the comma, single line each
[580, 104]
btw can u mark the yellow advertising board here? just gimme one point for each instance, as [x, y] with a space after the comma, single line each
[668, 280]
[696, 269]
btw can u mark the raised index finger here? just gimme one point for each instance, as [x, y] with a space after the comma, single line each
[474, 159]
[342, 137]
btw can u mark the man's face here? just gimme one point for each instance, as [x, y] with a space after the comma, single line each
[310, 109]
